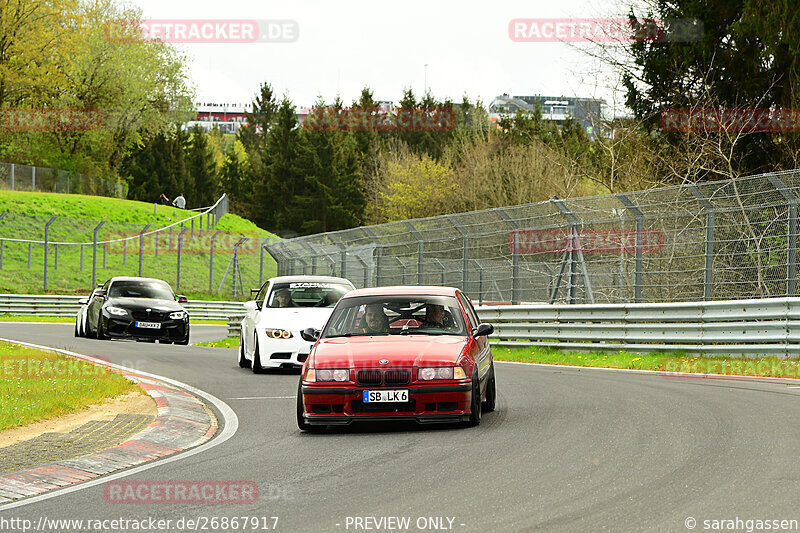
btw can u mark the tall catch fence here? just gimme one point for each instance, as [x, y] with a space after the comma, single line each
[73, 255]
[15, 177]
[722, 240]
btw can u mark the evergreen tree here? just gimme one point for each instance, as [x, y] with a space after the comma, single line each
[279, 208]
[202, 168]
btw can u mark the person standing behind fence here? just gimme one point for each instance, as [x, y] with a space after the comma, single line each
[179, 201]
[163, 200]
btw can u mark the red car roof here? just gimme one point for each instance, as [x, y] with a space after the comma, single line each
[401, 290]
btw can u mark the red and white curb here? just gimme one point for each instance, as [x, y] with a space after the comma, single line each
[183, 423]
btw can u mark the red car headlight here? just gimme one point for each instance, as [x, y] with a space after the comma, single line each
[333, 374]
[442, 372]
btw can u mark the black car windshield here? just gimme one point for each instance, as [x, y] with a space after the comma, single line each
[306, 294]
[140, 289]
[396, 315]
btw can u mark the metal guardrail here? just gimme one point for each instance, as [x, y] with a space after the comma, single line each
[769, 326]
[55, 305]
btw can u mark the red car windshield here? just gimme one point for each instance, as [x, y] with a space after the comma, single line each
[396, 315]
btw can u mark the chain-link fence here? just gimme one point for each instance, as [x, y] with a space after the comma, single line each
[192, 254]
[718, 240]
[24, 178]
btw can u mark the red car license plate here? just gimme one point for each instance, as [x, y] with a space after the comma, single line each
[385, 396]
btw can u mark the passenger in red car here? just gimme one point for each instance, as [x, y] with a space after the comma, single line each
[375, 320]
[434, 317]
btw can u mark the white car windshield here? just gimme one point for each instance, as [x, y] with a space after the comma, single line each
[306, 294]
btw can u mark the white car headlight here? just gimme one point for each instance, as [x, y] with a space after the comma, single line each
[178, 315]
[278, 333]
[116, 310]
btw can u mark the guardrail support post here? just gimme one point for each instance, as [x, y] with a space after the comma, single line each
[791, 255]
[637, 272]
[465, 253]
[94, 254]
[514, 256]
[46, 237]
[141, 248]
[708, 281]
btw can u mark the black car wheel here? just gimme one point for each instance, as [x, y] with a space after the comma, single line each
[490, 403]
[301, 421]
[100, 334]
[475, 407]
[243, 362]
[257, 369]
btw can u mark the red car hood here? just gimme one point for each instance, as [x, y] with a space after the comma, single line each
[399, 350]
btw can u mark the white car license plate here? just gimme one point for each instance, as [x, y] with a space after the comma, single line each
[148, 325]
[385, 396]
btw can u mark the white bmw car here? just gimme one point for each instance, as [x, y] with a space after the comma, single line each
[283, 307]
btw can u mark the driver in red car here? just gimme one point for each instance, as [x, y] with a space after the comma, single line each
[375, 320]
[434, 317]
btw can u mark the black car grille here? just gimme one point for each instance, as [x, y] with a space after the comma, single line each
[391, 376]
[397, 377]
[369, 377]
[152, 315]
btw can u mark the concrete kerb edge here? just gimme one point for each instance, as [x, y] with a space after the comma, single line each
[135, 454]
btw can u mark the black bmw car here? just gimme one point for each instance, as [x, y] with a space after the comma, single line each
[143, 309]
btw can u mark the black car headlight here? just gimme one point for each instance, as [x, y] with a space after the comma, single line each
[178, 315]
[118, 311]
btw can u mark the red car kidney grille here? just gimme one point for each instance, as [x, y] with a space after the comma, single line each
[397, 376]
[369, 377]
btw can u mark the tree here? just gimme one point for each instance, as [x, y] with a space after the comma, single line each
[202, 168]
[282, 182]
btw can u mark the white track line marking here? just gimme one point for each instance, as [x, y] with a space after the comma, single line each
[231, 424]
[264, 398]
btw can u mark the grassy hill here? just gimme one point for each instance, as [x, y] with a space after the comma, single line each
[78, 215]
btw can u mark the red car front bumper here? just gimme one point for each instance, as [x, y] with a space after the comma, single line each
[429, 403]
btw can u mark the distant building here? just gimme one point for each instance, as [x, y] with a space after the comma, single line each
[228, 118]
[586, 111]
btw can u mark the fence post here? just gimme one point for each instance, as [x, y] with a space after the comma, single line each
[514, 256]
[420, 251]
[125, 252]
[12, 176]
[378, 254]
[46, 237]
[141, 248]
[180, 246]
[211, 263]
[343, 254]
[791, 256]
[30, 250]
[105, 253]
[261, 263]
[465, 254]
[33, 179]
[2, 242]
[480, 280]
[55, 266]
[576, 255]
[708, 281]
[82, 259]
[94, 254]
[637, 271]
[443, 270]
[157, 236]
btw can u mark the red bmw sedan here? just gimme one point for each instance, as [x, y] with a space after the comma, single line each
[389, 353]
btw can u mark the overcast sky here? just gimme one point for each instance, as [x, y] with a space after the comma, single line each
[345, 45]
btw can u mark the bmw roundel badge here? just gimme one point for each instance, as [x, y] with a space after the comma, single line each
[384, 361]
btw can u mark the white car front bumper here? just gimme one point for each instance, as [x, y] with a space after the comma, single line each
[283, 353]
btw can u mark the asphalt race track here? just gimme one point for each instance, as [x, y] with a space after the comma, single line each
[567, 450]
